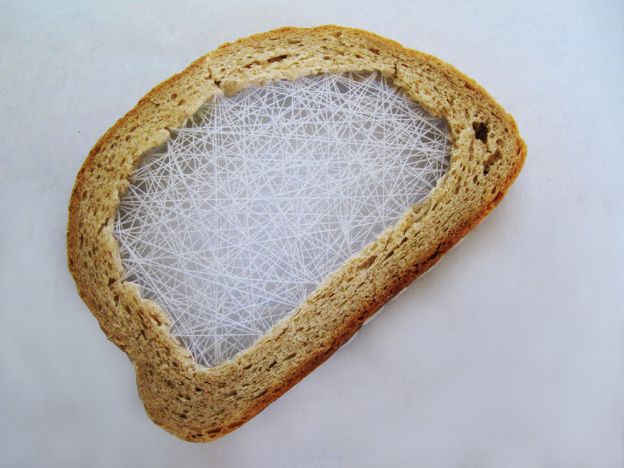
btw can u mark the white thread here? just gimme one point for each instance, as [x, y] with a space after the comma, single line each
[264, 194]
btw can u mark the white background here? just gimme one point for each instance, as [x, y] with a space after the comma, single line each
[508, 354]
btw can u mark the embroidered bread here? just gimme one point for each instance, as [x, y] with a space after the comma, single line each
[198, 403]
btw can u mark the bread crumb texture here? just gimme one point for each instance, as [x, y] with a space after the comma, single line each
[201, 404]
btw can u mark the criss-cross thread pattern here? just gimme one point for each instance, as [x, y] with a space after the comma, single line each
[262, 195]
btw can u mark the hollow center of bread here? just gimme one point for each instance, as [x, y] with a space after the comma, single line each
[264, 194]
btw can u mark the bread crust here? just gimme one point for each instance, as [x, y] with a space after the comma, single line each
[201, 404]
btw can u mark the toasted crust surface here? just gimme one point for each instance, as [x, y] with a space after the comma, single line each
[202, 404]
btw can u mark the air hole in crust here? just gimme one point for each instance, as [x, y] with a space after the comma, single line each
[480, 131]
[492, 158]
[278, 58]
[368, 262]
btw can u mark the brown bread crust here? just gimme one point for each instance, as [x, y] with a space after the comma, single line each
[202, 404]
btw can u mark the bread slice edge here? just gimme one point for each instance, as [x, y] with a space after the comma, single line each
[197, 403]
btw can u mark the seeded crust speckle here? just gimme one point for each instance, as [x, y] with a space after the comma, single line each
[202, 404]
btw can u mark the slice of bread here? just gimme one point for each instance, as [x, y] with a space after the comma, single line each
[198, 403]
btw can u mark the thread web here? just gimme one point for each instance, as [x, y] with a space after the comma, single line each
[244, 212]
